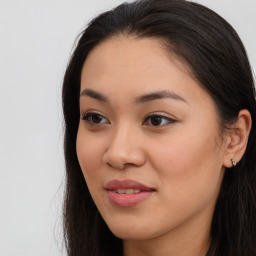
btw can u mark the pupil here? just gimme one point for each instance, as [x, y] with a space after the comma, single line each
[96, 118]
[156, 120]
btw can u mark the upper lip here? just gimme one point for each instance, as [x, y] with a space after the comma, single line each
[127, 184]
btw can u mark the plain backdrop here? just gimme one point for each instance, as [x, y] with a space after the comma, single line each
[36, 38]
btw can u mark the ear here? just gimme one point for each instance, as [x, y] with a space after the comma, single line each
[237, 138]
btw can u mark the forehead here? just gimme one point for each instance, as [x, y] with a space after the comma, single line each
[124, 69]
[136, 66]
[125, 52]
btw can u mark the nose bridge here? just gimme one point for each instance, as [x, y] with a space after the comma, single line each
[124, 147]
[121, 133]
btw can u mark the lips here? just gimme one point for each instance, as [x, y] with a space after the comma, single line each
[125, 193]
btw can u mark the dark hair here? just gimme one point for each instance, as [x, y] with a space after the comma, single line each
[216, 58]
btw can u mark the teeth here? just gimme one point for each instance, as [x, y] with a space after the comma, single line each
[121, 191]
[127, 191]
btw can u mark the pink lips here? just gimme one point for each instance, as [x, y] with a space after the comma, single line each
[125, 193]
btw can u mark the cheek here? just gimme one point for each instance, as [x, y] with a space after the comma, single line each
[183, 152]
[89, 153]
[189, 169]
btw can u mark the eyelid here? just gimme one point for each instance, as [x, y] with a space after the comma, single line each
[89, 114]
[161, 115]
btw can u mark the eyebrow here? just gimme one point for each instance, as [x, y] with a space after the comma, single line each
[159, 95]
[138, 100]
[95, 95]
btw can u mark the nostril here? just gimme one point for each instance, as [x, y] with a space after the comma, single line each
[121, 155]
[116, 166]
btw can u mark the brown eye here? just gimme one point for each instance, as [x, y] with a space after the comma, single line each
[158, 120]
[94, 118]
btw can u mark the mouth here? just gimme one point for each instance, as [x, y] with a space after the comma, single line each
[128, 191]
[124, 193]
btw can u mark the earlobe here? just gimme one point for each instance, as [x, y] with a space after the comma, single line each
[237, 139]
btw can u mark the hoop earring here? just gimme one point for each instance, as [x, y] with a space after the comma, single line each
[233, 162]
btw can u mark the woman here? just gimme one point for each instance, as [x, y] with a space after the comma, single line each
[159, 108]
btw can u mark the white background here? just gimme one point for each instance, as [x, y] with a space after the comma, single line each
[36, 38]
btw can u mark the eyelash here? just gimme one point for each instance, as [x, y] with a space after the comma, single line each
[168, 120]
[88, 117]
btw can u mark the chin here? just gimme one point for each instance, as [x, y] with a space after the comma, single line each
[131, 233]
[124, 235]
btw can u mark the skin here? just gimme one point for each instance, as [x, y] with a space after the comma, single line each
[183, 158]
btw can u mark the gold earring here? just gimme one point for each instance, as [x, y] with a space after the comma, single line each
[233, 162]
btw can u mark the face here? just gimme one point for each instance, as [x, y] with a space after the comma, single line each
[148, 142]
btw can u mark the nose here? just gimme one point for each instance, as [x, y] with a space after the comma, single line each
[125, 149]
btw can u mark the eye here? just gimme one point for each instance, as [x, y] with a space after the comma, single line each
[158, 120]
[95, 118]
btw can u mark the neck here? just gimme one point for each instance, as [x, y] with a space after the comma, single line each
[192, 239]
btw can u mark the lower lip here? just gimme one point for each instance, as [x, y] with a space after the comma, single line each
[124, 200]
